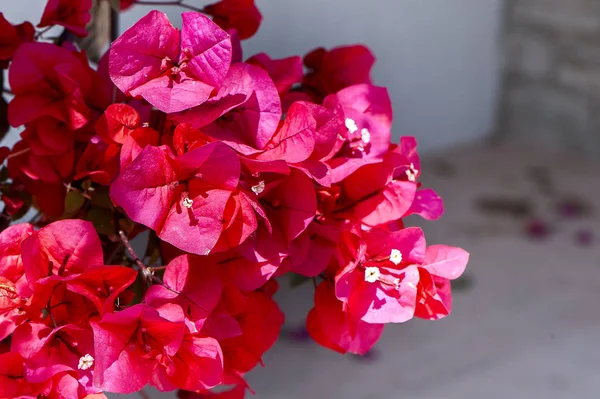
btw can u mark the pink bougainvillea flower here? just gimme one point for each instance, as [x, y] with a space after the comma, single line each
[322, 243]
[260, 322]
[48, 351]
[242, 215]
[427, 203]
[62, 385]
[237, 53]
[410, 163]
[368, 121]
[368, 111]
[290, 205]
[245, 112]
[393, 274]
[11, 308]
[48, 80]
[51, 168]
[13, 284]
[120, 139]
[11, 37]
[182, 198]
[193, 283]
[152, 345]
[338, 68]
[53, 302]
[11, 263]
[327, 125]
[48, 136]
[103, 285]
[440, 265]
[335, 329]
[99, 162]
[198, 365]
[66, 246]
[171, 70]
[330, 122]
[12, 376]
[117, 122]
[285, 72]
[135, 142]
[371, 195]
[249, 275]
[295, 140]
[49, 197]
[241, 15]
[72, 14]
[133, 340]
[379, 284]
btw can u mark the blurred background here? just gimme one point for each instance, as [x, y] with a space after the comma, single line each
[504, 100]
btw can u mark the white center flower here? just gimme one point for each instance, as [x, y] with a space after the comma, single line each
[371, 274]
[259, 188]
[85, 362]
[365, 135]
[396, 256]
[351, 125]
[187, 202]
[411, 172]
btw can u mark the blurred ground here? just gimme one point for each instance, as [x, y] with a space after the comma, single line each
[526, 319]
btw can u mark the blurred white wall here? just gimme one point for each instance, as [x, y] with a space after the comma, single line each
[439, 58]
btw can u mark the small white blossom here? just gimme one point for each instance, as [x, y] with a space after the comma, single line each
[351, 125]
[396, 256]
[371, 274]
[187, 202]
[259, 188]
[411, 172]
[85, 362]
[365, 135]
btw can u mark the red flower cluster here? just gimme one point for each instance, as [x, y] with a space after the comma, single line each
[240, 172]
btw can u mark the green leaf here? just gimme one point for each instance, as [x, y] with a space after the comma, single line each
[73, 203]
[101, 198]
[103, 221]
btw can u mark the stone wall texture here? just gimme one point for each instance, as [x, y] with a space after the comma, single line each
[551, 65]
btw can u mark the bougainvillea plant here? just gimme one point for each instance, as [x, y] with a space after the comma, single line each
[237, 172]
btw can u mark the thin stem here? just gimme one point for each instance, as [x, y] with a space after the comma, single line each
[145, 272]
[85, 195]
[143, 394]
[179, 3]
[157, 268]
[49, 310]
[16, 154]
[41, 32]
